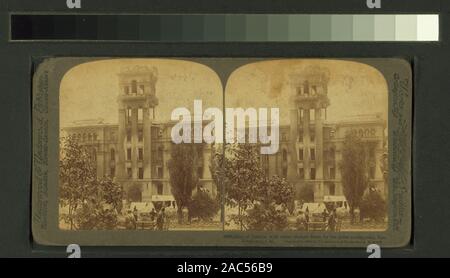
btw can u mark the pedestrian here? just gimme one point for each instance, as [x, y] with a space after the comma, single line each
[152, 214]
[306, 219]
[160, 219]
[301, 222]
[325, 215]
[332, 221]
[135, 213]
[130, 221]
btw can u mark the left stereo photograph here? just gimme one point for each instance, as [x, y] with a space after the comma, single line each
[222, 152]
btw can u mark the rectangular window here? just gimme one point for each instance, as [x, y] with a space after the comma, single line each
[301, 173]
[332, 173]
[313, 154]
[199, 152]
[128, 135]
[159, 189]
[372, 172]
[300, 154]
[128, 116]
[134, 87]
[140, 135]
[129, 173]
[372, 153]
[200, 172]
[141, 173]
[141, 89]
[129, 154]
[332, 189]
[312, 136]
[313, 173]
[159, 171]
[140, 115]
[332, 154]
[141, 154]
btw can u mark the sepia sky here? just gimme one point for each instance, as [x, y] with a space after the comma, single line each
[90, 90]
[353, 88]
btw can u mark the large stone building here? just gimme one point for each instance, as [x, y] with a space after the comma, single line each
[135, 151]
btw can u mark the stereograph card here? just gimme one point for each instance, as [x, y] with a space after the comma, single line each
[270, 152]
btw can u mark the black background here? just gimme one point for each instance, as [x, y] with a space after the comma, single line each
[431, 128]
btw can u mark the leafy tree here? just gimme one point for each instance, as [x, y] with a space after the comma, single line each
[96, 215]
[354, 171]
[92, 203]
[203, 205]
[242, 174]
[261, 202]
[270, 210]
[76, 174]
[183, 174]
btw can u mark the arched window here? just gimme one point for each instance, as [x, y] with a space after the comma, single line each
[284, 155]
[94, 154]
[113, 155]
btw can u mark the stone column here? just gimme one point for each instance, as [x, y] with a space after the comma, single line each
[134, 140]
[293, 156]
[319, 151]
[147, 143]
[120, 165]
[306, 143]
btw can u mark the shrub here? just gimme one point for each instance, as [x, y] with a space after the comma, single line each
[266, 217]
[94, 216]
[306, 193]
[373, 206]
[203, 206]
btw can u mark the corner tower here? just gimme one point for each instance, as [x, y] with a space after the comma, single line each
[309, 95]
[137, 102]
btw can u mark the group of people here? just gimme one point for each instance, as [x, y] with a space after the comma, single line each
[157, 219]
[328, 217]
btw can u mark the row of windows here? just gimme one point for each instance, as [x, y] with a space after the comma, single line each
[134, 88]
[307, 89]
[159, 153]
[331, 173]
[328, 154]
[129, 115]
[311, 113]
[301, 152]
[156, 132]
[85, 137]
[140, 154]
[159, 172]
[140, 135]
[312, 136]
